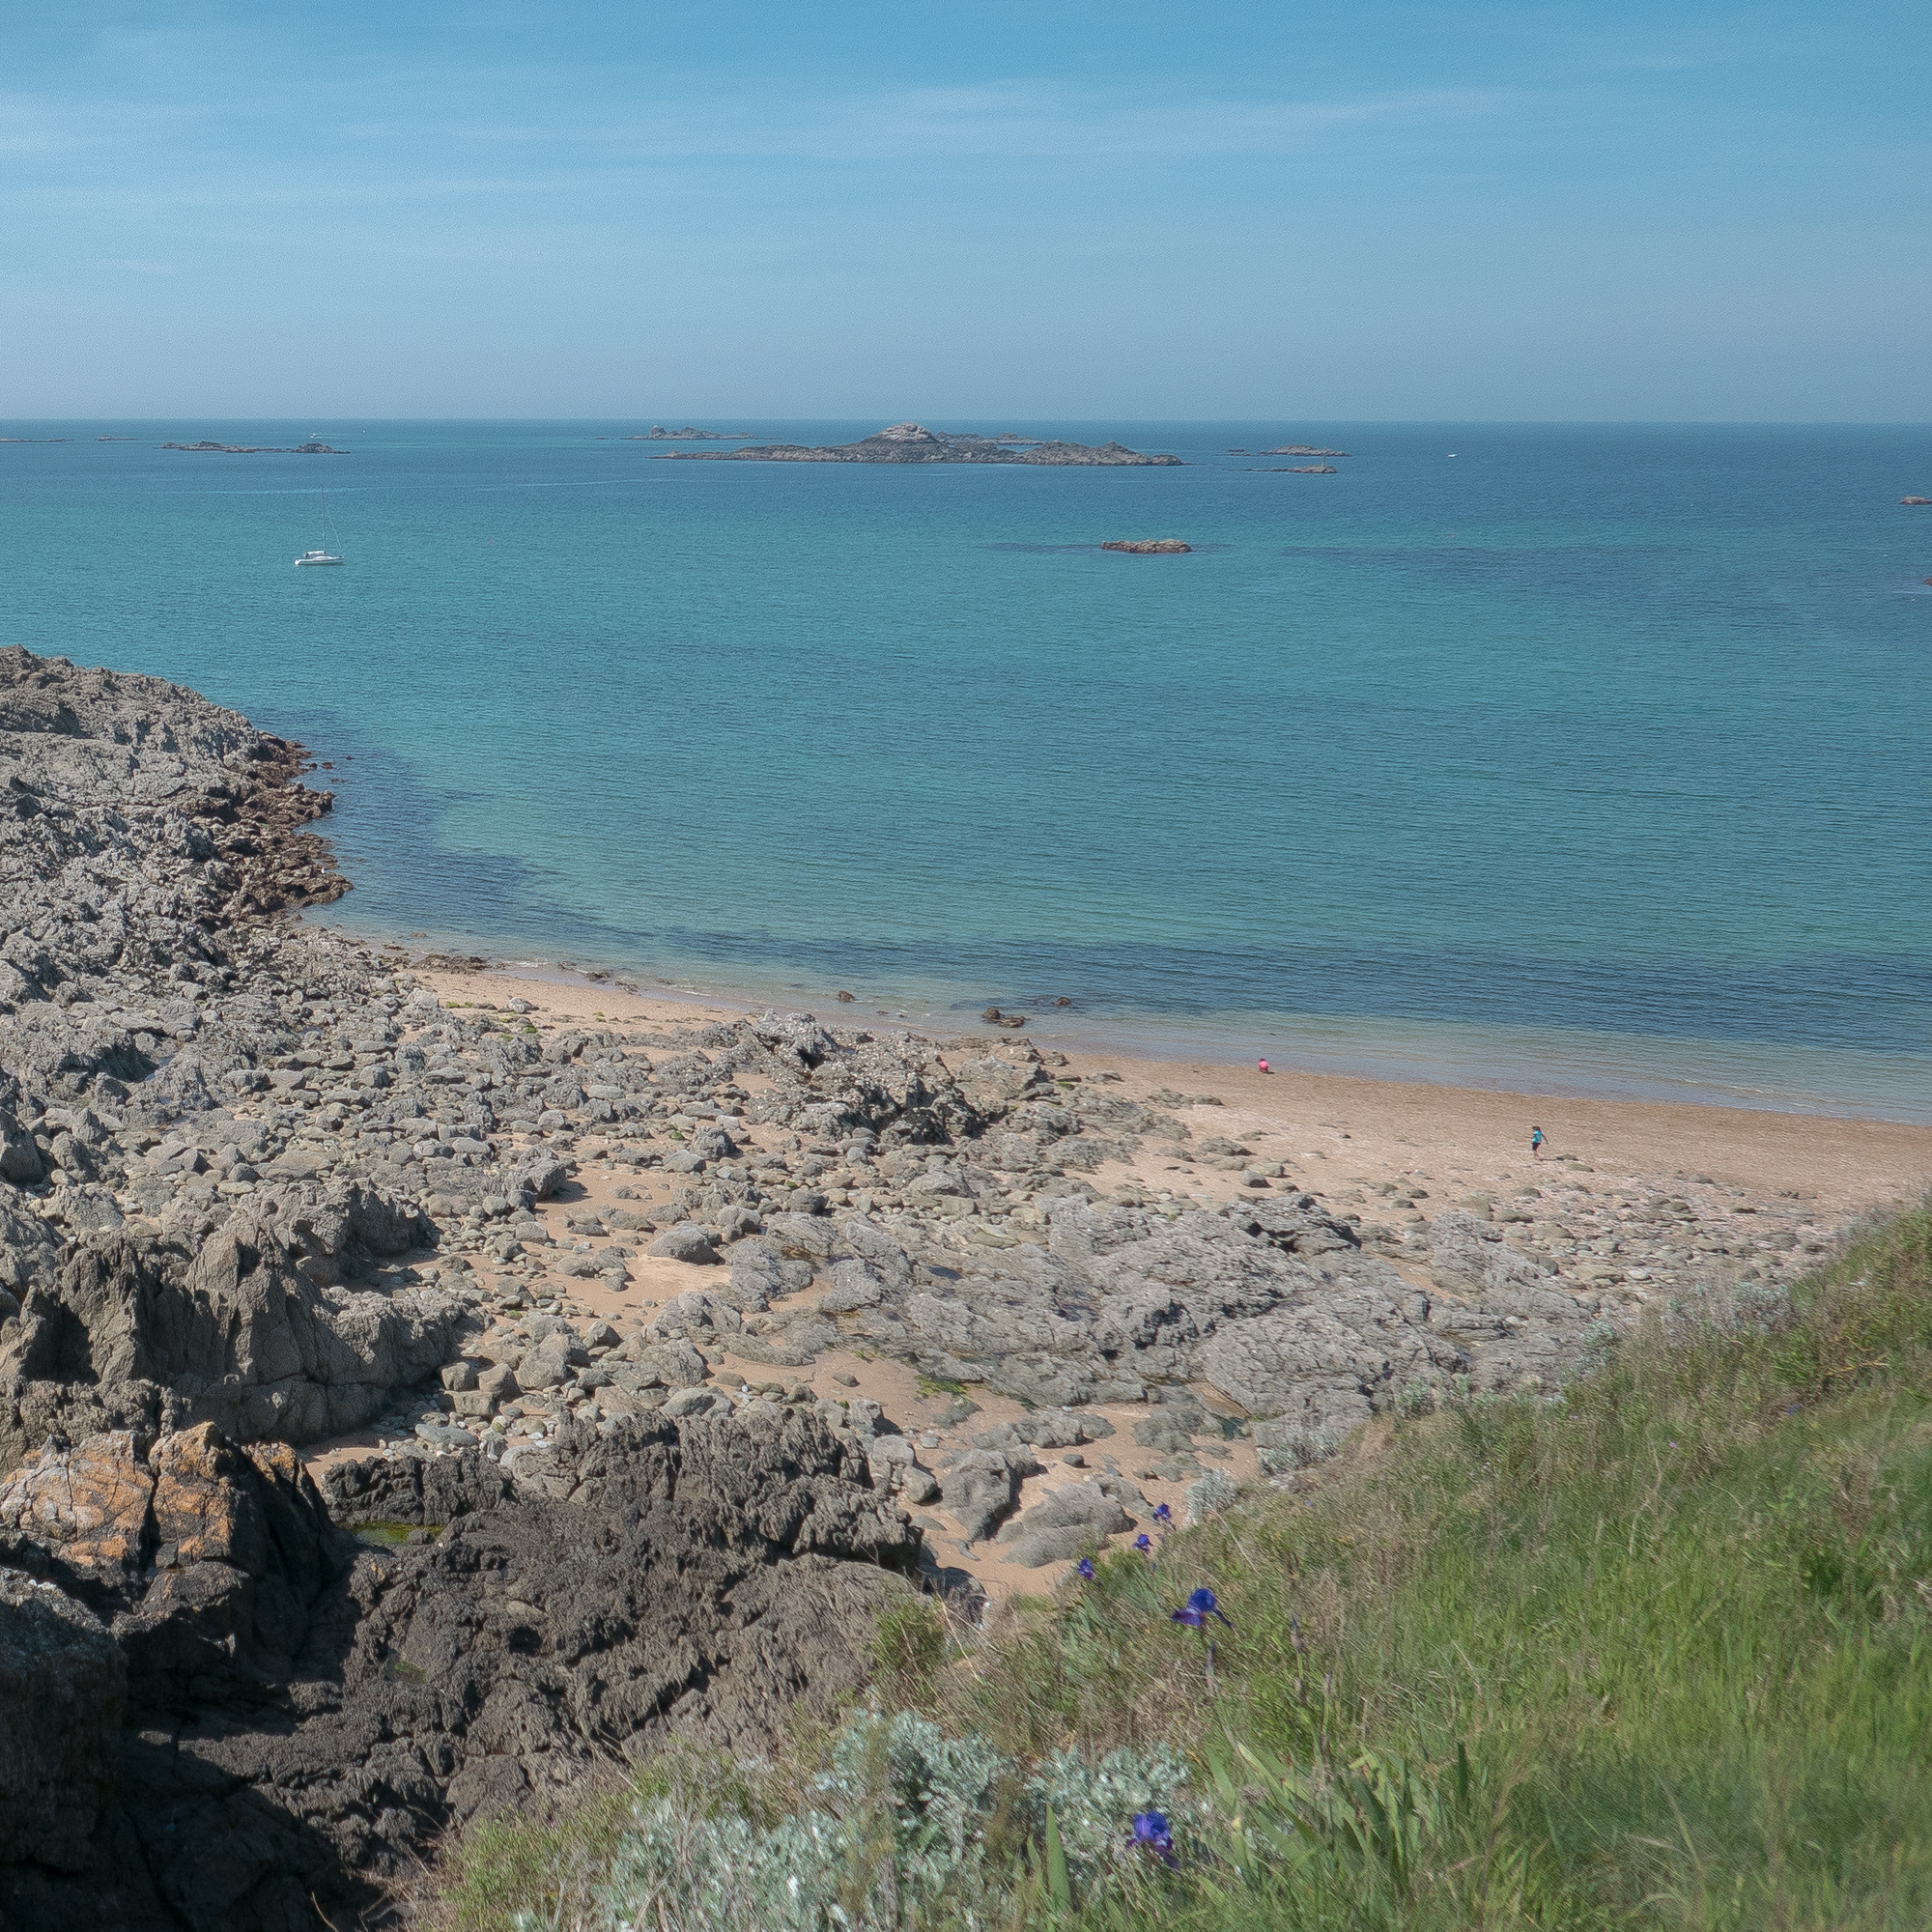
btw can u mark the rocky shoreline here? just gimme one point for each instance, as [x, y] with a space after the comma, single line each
[543, 1303]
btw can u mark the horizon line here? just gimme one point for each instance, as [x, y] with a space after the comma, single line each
[1179, 422]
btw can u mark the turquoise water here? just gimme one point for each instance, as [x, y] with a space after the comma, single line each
[1585, 757]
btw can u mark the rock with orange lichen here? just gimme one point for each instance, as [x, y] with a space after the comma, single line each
[85, 1507]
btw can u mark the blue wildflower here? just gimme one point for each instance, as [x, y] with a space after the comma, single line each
[1085, 1567]
[1163, 1514]
[1143, 1544]
[1200, 1606]
[1150, 1830]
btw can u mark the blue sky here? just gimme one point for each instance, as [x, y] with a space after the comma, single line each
[1578, 211]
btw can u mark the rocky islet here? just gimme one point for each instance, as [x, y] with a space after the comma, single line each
[914, 442]
[260, 1188]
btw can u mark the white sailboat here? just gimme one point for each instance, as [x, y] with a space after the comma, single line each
[321, 555]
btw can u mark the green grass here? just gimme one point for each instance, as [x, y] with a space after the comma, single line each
[1671, 1632]
[1657, 1654]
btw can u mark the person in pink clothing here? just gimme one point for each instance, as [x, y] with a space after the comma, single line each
[1264, 1065]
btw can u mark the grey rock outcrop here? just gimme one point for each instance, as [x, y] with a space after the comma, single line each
[1066, 1523]
[239, 1333]
[1469, 1254]
[982, 1486]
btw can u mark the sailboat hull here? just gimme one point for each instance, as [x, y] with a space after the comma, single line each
[320, 554]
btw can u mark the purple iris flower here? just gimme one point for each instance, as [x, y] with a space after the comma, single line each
[1150, 1829]
[1163, 1514]
[1143, 1544]
[1200, 1606]
[1086, 1568]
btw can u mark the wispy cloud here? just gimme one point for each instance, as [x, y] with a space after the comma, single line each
[1017, 119]
[504, 114]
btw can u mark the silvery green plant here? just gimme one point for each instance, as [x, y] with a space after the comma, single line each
[1094, 1805]
[1212, 1494]
[896, 1840]
[1415, 1398]
[677, 1871]
[1290, 1447]
[941, 1789]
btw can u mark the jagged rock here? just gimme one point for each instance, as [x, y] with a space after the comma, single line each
[239, 1335]
[29, 1251]
[538, 1177]
[1167, 1433]
[1046, 1429]
[1306, 1362]
[83, 1507]
[21, 1160]
[982, 1486]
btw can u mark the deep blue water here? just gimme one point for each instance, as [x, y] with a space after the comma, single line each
[1588, 756]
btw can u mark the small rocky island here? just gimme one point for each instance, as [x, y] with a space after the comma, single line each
[253, 449]
[913, 442]
[1150, 546]
[1299, 449]
[659, 433]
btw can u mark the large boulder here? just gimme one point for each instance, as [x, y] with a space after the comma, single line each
[685, 1243]
[240, 1335]
[1470, 1255]
[82, 1509]
[1061, 1526]
[982, 1486]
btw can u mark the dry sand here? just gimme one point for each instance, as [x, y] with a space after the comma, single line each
[1341, 1138]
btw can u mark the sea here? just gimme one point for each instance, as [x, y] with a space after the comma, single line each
[1563, 759]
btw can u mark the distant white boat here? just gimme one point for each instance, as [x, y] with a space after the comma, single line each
[321, 555]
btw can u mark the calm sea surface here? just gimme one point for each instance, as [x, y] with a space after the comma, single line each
[1584, 758]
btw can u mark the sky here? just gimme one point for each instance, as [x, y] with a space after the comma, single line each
[1633, 211]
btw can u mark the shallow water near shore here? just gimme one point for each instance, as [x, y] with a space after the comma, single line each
[1583, 758]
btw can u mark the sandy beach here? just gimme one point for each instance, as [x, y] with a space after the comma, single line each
[1386, 1156]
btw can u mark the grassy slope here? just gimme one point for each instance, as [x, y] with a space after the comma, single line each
[1657, 1654]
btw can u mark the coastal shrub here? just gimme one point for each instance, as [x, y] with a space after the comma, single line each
[1415, 1398]
[1213, 1492]
[1094, 1805]
[1286, 1448]
[904, 1827]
